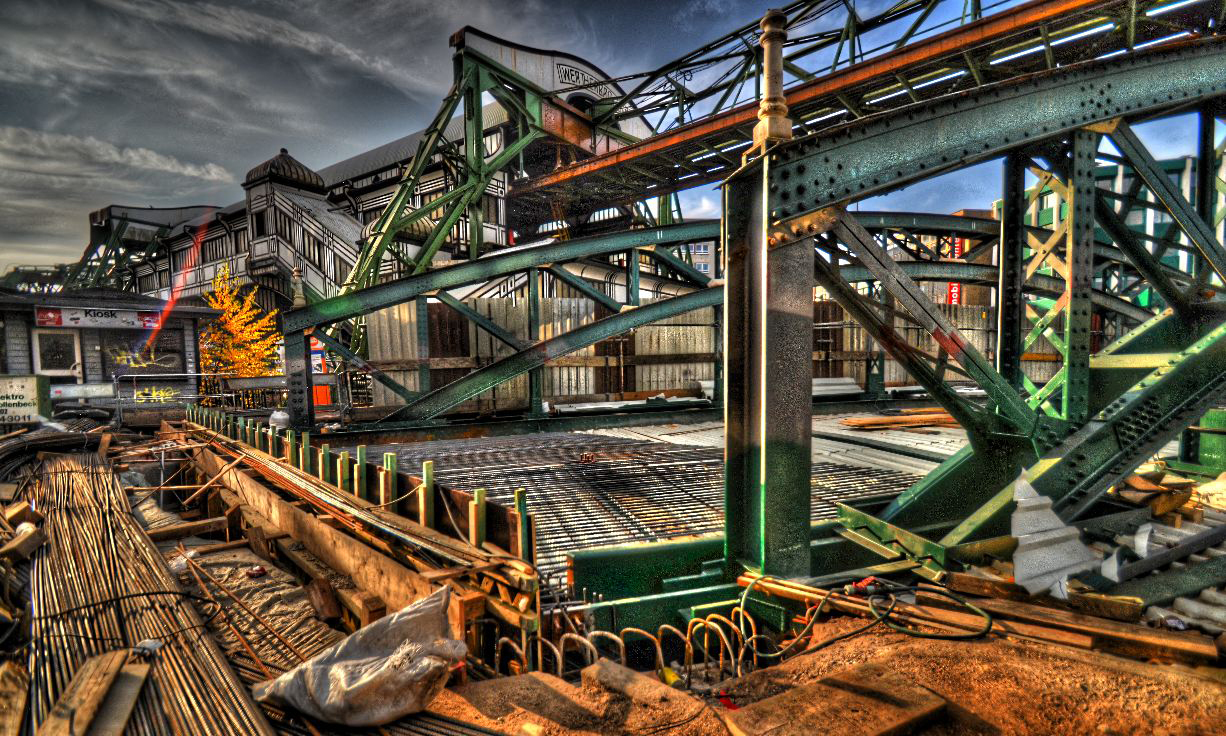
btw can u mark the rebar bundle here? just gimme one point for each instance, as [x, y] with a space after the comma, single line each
[98, 585]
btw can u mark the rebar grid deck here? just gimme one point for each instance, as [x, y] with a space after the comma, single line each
[589, 491]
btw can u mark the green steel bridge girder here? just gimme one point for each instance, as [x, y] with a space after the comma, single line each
[501, 263]
[880, 153]
[483, 379]
[509, 261]
[534, 356]
[1138, 398]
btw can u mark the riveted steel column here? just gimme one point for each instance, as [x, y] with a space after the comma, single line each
[632, 277]
[298, 380]
[423, 343]
[536, 376]
[768, 345]
[1079, 281]
[1010, 302]
[1206, 176]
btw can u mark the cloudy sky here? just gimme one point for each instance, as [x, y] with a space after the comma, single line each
[169, 102]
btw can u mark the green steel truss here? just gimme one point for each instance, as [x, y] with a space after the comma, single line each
[1107, 409]
[656, 243]
[1114, 403]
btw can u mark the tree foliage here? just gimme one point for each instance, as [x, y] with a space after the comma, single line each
[243, 340]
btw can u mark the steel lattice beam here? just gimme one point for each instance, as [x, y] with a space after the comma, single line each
[879, 154]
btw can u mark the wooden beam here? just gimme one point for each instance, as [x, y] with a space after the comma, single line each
[370, 569]
[121, 700]
[187, 529]
[365, 607]
[80, 702]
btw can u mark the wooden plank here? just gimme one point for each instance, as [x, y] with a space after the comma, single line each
[23, 545]
[117, 709]
[187, 529]
[365, 607]
[79, 703]
[370, 568]
[21, 512]
[868, 699]
[323, 598]
[1114, 636]
[14, 689]
[1095, 604]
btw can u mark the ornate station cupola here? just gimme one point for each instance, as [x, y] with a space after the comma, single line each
[287, 170]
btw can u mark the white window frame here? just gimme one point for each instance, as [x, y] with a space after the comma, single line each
[75, 371]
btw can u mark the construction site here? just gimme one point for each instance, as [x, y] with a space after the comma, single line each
[543, 455]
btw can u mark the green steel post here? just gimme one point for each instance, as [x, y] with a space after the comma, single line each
[423, 343]
[301, 403]
[291, 448]
[768, 319]
[536, 376]
[1010, 297]
[524, 532]
[1079, 260]
[474, 155]
[305, 454]
[344, 472]
[393, 479]
[360, 474]
[632, 277]
[1206, 173]
[476, 518]
[425, 498]
[325, 463]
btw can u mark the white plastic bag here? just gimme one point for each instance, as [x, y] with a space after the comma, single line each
[391, 668]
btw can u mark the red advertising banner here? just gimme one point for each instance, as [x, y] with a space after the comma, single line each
[953, 293]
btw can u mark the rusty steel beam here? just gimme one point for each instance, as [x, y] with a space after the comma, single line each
[949, 44]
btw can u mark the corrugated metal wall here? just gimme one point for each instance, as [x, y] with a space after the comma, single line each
[686, 334]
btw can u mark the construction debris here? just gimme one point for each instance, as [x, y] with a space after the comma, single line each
[1048, 551]
[389, 669]
[121, 593]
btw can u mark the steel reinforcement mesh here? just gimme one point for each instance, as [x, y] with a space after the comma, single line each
[589, 491]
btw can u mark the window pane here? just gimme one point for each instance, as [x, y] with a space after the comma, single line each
[57, 351]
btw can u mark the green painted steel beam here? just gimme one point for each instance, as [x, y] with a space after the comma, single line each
[501, 263]
[336, 346]
[892, 278]
[688, 272]
[1200, 232]
[583, 287]
[879, 153]
[483, 379]
[481, 321]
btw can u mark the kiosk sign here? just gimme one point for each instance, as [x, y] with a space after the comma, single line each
[69, 317]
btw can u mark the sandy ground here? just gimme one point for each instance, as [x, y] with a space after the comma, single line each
[1000, 686]
[993, 686]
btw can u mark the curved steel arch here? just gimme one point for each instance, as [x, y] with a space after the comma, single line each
[438, 401]
[534, 356]
[503, 262]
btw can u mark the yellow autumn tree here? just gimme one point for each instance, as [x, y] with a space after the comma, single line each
[243, 340]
